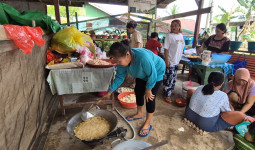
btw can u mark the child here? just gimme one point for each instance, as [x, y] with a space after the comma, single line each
[173, 46]
[153, 43]
[246, 142]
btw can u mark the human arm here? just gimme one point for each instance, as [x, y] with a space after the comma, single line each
[119, 78]
[205, 44]
[139, 45]
[167, 44]
[138, 39]
[225, 105]
[249, 103]
[225, 47]
[149, 69]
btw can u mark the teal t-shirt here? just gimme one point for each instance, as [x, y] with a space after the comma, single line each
[144, 65]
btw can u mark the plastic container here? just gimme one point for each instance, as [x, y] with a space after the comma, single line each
[235, 45]
[186, 85]
[124, 104]
[101, 94]
[188, 41]
[242, 127]
[181, 102]
[206, 57]
[251, 46]
[220, 58]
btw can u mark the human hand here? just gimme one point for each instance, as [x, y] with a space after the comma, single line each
[149, 95]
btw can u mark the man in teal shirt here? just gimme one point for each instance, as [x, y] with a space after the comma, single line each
[147, 68]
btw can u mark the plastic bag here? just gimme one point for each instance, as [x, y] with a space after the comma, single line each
[25, 37]
[20, 37]
[68, 39]
[36, 35]
[85, 54]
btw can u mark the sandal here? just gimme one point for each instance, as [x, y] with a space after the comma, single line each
[132, 118]
[168, 100]
[149, 129]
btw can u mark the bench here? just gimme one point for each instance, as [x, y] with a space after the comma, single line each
[250, 63]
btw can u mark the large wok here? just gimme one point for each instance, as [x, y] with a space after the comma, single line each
[76, 119]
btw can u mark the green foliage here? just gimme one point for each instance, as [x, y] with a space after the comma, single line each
[51, 11]
[173, 10]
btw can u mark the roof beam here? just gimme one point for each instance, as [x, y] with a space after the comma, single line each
[185, 14]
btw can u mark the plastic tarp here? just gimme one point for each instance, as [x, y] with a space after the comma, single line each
[9, 15]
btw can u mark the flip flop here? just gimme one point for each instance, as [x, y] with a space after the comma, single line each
[145, 130]
[132, 118]
[168, 100]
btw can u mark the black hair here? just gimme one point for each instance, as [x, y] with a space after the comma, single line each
[214, 79]
[154, 34]
[222, 27]
[119, 49]
[252, 128]
[131, 24]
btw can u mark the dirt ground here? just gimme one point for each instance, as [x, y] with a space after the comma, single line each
[166, 122]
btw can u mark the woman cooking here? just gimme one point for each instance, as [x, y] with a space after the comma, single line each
[148, 69]
[217, 43]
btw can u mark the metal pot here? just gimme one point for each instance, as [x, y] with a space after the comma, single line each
[109, 116]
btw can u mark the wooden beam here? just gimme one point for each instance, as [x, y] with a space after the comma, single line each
[57, 12]
[197, 26]
[67, 13]
[185, 14]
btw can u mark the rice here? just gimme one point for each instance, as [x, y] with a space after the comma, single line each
[92, 128]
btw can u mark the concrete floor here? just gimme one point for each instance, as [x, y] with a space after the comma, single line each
[166, 122]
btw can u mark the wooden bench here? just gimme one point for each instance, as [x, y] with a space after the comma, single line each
[250, 63]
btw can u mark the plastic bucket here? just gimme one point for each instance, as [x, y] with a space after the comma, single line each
[251, 46]
[186, 87]
[235, 45]
[188, 41]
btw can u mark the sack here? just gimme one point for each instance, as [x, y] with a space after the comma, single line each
[239, 64]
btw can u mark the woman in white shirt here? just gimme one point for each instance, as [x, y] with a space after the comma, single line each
[173, 46]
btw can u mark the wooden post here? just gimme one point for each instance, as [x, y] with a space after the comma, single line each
[197, 26]
[76, 20]
[67, 13]
[57, 12]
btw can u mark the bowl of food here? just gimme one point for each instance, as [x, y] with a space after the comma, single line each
[181, 102]
[127, 99]
[220, 58]
[101, 63]
[194, 58]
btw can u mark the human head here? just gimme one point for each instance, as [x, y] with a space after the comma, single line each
[121, 52]
[250, 135]
[242, 76]
[215, 80]
[176, 26]
[131, 26]
[154, 35]
[220, 29]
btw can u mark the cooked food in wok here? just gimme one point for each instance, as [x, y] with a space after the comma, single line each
[99, 62]
[92, 128]
[129, 98]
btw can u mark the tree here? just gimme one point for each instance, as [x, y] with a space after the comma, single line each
[173, 10]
